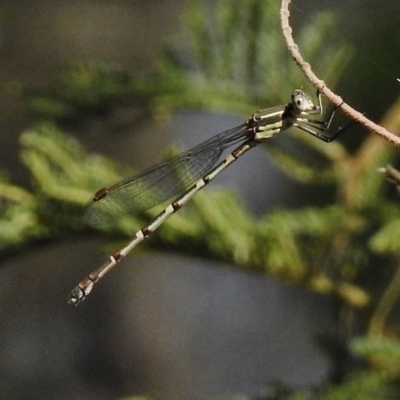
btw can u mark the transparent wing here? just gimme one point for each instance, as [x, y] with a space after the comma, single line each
[163, 181]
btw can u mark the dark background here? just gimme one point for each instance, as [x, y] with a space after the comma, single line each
[163, 324]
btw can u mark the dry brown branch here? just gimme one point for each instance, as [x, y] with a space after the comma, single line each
[320, 84]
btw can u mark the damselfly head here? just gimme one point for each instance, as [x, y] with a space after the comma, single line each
[301, 102]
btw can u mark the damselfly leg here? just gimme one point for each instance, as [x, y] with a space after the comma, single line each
[320, 128]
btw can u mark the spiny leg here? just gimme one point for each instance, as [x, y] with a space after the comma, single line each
[317, 128]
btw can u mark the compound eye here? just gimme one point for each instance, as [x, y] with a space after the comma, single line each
[299, 101]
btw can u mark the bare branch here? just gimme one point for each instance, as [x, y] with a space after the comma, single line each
[320, 84]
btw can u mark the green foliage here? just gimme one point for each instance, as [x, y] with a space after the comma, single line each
[18, 222]
[65, 177]
[237, 57]
[234, 60]
[362, 386]
[80, 92]
[52, 159]
[386, 239]
[382, 353]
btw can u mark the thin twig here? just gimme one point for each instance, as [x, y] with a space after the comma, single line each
[320, 84]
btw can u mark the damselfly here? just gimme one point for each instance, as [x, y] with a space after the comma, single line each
[184, 175]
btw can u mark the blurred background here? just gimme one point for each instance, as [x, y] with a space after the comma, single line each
[279, 286]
